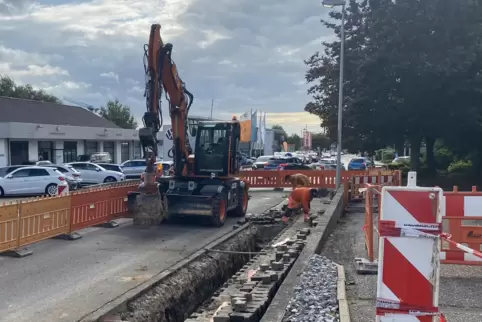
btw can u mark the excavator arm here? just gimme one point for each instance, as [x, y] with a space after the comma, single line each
[162, 76]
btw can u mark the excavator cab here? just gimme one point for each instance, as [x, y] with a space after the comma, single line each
[212, 189]
[216, 149]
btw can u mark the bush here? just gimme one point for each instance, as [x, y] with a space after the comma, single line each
[443, 158]
[460, 166]
[387, 155]
[395, 166]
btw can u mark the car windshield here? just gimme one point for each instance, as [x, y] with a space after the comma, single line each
[263, 159]
[358, 160]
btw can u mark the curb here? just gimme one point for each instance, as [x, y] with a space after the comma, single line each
[315, 242]
[341, 296]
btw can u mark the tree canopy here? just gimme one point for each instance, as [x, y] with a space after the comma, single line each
[118, 114]
[9, 88]
[412, 76]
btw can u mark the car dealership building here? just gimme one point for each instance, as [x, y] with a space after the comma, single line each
[33, 130]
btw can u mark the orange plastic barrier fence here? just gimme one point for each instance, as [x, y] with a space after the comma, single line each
[462, 220]
[319, 179]
[26, 222]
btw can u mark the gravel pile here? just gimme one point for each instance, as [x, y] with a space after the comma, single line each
[315, 297]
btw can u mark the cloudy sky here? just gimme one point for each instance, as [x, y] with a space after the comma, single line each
[244, 54]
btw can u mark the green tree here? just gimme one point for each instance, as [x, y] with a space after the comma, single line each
[320, 140]
[294, 139]
[118, 114]
[9, 88]
[412, 72]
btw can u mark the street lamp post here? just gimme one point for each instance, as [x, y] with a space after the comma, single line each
[331, 4]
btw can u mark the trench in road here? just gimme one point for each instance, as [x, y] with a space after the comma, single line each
[63, 280]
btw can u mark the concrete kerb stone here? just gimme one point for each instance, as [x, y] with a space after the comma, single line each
[314, 244]
[341, 295]
[120, 303]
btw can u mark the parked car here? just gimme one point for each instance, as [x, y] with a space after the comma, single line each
[261, 161]
[72, 176]
[6, 170]
[111, 167]
[101, 157]
[274, 163]
[133, 169]
[293, 166]
[166, 165]
[32, 180]
[92, 173]
[357, 164]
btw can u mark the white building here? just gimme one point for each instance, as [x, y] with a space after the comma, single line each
[59, 133]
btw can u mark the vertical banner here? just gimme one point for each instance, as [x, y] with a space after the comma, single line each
[245, 123]
[306, 139]
[254, 127]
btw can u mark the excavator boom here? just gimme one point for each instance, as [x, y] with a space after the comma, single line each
[162, 76]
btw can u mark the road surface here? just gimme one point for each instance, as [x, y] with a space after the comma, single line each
[460, 286]
[65, 280]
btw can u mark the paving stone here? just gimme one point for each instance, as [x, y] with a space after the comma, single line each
[239, 305]
[278, 256]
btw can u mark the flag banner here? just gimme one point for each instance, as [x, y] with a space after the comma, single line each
[245, 131]
[254, 127]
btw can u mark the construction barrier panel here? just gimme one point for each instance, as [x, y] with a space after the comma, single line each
[462, 220]
[8, 227]
[408, 280]
[318, 178]
[42, 219]
[29, 221]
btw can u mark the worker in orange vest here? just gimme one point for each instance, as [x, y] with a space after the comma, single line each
[300, 197]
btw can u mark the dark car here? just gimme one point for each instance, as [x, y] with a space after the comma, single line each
[294, 166]
[276, 163]
[261, 162]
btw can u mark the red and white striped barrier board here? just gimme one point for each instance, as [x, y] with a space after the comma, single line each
[408, 270]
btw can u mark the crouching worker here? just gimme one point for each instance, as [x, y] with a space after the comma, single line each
[300, 198]
[298, 180]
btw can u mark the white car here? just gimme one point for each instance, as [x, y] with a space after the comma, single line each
[71, 175]
[32, 181]
[92, 173]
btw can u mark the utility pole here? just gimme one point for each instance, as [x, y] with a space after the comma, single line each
[212, 107]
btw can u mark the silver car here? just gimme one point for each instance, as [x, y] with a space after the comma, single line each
[133, 169]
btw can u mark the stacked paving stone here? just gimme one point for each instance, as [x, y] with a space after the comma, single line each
[270, 217]
[246, 296]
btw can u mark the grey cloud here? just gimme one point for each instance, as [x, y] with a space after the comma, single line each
[250, 68]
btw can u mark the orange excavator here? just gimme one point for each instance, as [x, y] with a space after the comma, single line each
[203, 185]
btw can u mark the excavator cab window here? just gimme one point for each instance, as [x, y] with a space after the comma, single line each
[212, 146]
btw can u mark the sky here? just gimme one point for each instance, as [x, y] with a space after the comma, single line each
[244, 54]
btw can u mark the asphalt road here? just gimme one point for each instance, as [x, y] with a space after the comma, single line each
[460, 286]
[65, 280]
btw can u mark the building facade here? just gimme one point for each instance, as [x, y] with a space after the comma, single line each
[32, 130]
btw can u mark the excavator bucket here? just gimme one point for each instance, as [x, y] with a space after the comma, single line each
[148, 207]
